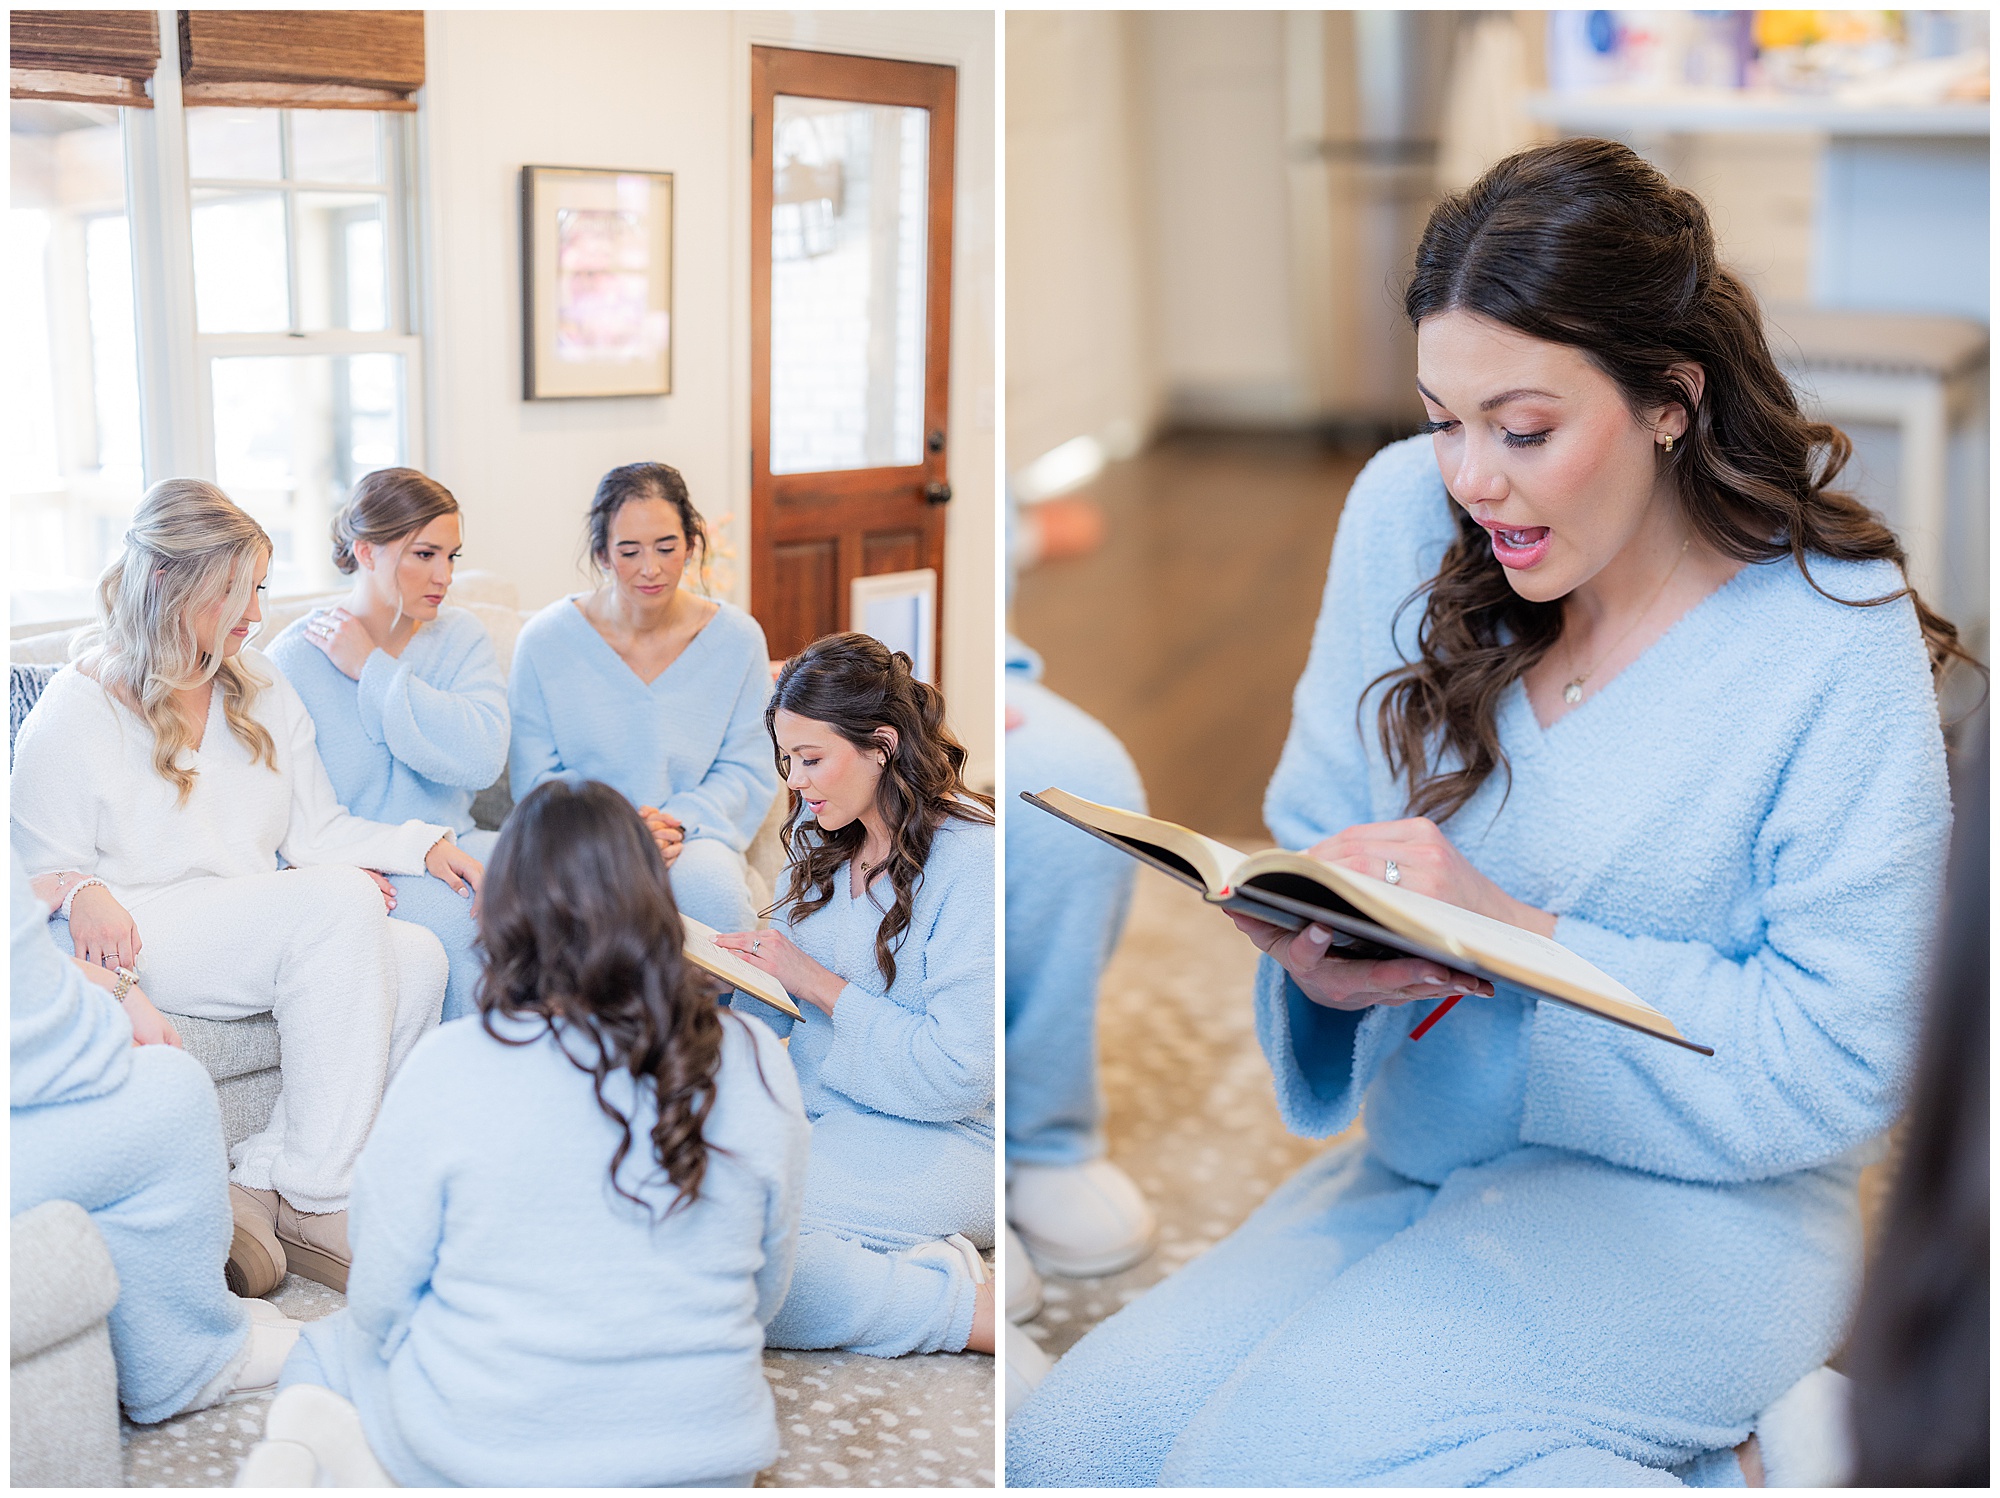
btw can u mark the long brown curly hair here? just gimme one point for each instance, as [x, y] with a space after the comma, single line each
[1583, 243]
[857, 686]
[579, 929]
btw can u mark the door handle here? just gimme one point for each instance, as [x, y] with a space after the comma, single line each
[937, 494]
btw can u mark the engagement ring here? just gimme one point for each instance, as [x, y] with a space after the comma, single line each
[1391, 873]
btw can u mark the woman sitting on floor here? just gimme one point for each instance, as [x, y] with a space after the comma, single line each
[886, 939]
[654, 690]
[129, 1131]
[159, 781]
[574, 1219]
[1605, 658]
[408, 700]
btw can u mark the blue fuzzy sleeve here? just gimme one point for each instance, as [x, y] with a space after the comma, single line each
[69, 1039]
[932, 1062]
[736, 793]
[1331, 776]
[532, 756]
[454, 734]
[1814, 1020]
[396, 1212]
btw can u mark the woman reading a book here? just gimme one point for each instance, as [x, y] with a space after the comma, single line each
[885, 937]
[1609, 659]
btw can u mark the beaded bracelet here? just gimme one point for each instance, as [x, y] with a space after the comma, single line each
[81, 885]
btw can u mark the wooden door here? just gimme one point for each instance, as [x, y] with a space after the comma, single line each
[850, 329]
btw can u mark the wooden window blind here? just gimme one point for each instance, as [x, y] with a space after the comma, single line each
[91, 56]
[302, 59]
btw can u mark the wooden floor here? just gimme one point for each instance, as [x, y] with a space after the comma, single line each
[1187, 630]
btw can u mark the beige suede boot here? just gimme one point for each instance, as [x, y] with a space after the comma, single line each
[315, 1244]
[256, 1257]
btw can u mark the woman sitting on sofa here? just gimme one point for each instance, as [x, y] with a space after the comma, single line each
[159, 780]
[407, 697]
[655, 691]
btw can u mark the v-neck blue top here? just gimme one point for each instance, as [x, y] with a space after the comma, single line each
[691, 741]
[1746, 826]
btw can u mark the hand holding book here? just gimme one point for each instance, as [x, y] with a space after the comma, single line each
[1338, 982]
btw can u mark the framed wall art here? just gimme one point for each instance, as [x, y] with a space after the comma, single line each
[597, 250]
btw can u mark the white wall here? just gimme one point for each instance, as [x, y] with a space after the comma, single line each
[1081, 349]
[667, 91]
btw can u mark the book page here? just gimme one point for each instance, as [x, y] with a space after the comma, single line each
[702, 951]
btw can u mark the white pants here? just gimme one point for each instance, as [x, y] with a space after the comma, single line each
[352, 991]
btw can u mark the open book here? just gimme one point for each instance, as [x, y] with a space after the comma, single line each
[1368, 918]
[701, 950]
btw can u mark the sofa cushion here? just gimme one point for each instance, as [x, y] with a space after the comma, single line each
[62, 1277]
[230, 1048]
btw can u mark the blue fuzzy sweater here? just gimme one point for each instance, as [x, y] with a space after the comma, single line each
[691, 741]
[1746, 827]
[511, 1320]
[419, 735]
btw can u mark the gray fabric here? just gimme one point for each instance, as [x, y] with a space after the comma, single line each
[64, 1410]
[230, 1048]
[24, 690]
[63, 1389]
[490, 806]
[63, 1280]
[247, 1102]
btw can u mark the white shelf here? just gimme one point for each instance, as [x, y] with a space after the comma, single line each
[1700, 111]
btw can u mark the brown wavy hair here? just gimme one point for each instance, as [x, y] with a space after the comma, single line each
[579, 929]
[857, 686]
[1583, 243]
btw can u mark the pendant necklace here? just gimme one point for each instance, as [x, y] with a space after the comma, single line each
[1573, 690]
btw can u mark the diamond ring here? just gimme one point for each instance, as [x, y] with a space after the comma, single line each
[1390, 872]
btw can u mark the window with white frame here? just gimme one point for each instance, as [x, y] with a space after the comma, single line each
[302, 354]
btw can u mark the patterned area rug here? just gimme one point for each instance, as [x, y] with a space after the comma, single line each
[1192, 1115]
[844, 1420]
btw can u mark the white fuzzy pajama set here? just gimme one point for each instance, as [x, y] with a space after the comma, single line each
[224, 931]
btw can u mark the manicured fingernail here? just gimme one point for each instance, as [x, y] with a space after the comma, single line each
[1319, 936]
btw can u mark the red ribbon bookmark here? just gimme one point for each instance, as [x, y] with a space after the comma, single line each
[1435, 1015]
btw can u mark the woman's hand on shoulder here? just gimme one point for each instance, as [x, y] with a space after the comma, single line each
[342, 639]
[1428, 863]
[456, 867]
[101, 931]
[1350, 983]
[774, 952]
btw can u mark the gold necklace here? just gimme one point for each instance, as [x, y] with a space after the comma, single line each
[1573, 690]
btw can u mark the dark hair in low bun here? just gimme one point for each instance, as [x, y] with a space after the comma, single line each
[579, 929]
[621, 486]
[386, 506]
[857, 686]
[1584, 243]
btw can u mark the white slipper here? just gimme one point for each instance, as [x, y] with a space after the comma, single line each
[330, 1428]
[1803, 1434]
[1024, 1286]
[1080, 1220]
[278, 1464]
[1027, 1366]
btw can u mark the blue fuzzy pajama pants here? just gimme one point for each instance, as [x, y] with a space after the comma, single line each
[711, 883]
[1543, 1319]
[878, 1187]
[431, 903]
[1067, 895]
[146, 1161]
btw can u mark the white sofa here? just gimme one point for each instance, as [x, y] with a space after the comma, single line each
[242, 1055]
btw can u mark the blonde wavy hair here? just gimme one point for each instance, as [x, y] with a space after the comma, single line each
[188, 547]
